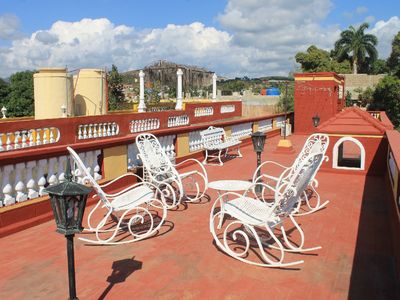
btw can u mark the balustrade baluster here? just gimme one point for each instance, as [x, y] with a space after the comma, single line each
[100, 130]
[61, 167]
[17, 136]
[30, 137]
[85, 134]
[24, 139]
[95, 130]
[51, 174]
[7, 185]
[41, 178]
[108, 129]
[80, 135]
[90, 133]
[96, 170]
[45, 136]
[8, 142]
[51, 130]
[38, 136]
[30, 181]
[19, 183]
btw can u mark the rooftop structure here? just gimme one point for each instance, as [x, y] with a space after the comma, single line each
[358, 229]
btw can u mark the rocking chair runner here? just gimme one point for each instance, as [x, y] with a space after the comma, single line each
[127, 210]
[315, 143]
[252, 219]
[159, 171]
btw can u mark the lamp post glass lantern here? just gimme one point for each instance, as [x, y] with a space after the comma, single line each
[316, 120]
[68, 201]
[258, 139]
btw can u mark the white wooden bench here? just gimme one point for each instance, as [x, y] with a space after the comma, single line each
[214, 140]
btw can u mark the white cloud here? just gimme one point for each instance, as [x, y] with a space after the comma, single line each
[9, 27]
[385, 32]
[260, 37]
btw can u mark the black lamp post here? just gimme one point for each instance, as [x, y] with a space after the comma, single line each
[258, 139]
[68, 201]
[316, 120]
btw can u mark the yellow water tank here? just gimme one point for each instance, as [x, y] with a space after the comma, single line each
[52, 93]
[90, 92]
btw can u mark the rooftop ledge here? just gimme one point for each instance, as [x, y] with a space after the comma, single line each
[356, 260]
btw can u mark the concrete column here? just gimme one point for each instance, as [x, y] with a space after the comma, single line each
[179, 74]
[142, 105]
[214, 81]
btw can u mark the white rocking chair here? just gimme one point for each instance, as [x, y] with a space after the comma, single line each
[159, 170]
[131, 209]
[249, 231]
[315, 143]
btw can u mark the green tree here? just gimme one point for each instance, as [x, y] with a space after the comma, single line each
[387, 97]
[379, 67]
[116, 95]
[356, 45]
[349, 102]
[394, 58]
[20, 100]
[4, 90]
[319, 60]
[365, 96]
[286, 99]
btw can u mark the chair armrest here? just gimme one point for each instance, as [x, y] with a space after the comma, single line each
[265, 163]
[120, 177]
[196, 161]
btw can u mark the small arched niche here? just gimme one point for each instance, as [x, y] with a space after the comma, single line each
[348, 153]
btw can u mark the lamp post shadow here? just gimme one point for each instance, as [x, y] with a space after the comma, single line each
[121, 270]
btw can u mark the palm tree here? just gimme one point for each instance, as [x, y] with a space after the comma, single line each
[354, 43]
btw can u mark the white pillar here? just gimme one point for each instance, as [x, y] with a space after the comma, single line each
[179, 74]
[214, 80]
[142, 105]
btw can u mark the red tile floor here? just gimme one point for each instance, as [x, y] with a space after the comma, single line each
[182, 263]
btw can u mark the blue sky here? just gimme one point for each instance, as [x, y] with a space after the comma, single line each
[231, 37]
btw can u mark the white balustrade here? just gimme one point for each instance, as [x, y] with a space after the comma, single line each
[178, 121]
[195, 141]
[227, 108]
[144, 125]
[95, 130]
[265, 125]
[241, 130]
[28, 138]
[203, 111]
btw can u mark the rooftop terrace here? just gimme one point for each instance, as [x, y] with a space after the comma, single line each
[182, 262]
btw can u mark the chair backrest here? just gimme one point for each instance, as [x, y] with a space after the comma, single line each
[292, 184]
[80, 165]
[315, 143]
[153, 157]
[212, 136]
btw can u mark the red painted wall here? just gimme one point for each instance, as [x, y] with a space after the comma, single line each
[315, 96]
[375, 156]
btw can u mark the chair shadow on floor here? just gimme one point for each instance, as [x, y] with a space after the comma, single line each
[121, 270]
[239, 244]
[124, 233]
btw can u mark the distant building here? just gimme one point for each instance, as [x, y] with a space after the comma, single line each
[163, 73]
